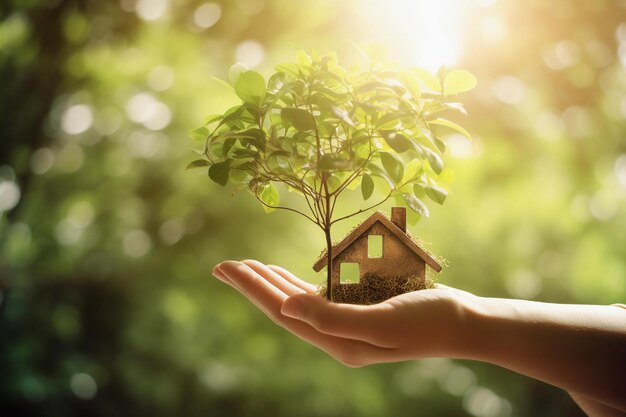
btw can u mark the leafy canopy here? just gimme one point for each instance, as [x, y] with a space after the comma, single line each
[320, 128]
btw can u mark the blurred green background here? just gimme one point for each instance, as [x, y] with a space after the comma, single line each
[107, 306]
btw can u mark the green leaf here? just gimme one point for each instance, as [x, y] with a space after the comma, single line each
[303, 59]
[411, 82]
[235, 71]
[278, 161]
[458, 81]
[198, 163]
[298, 118]
[334, 161]
[437, 194]
[220, 172]
[441, 145]
[428, 79]
[456, 106]
[223, 84]
[377, 171]
[270, 196]
[393, 165]
[199, 134]
[416, 204]
[240, 176]
[413, 170]
[367, 186]
[435, 161]
[398, 142]
[418, 191]
[228, 143]
[243, 153]
[389, 121]
[451, 125]
[343, 115]
[215, 117]
[250, 87]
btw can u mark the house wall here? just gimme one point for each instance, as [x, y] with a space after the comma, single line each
[398, 260]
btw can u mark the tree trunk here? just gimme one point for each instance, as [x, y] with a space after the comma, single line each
[329, 265]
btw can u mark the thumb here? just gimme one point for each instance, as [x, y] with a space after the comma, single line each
[343, 320]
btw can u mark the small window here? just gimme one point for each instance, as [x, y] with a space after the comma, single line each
[375, 246]
[349, 272]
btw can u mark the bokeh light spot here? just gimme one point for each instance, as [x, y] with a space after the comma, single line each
[458, 380]
[563, 55]
[140, 107]
[83, 386]
[70, 158]
[603, 205]
[620, 169]
[144, 108]
[42, 160]
[7, 173]
[77, 119]
[9, 195]
[160, 118]
[151, 10]
[251, 7]
[493, 29]
[136, 243]
[147, 145]
[67, 232]
[509, 89]
[108, 121]
[250, 53]
[161, 78]
[483, 402]
[578, 122]
[549, 126]
[207, 15]
[524, 284]
[172, 231]
[219, 377]
[82, 213]
[461, 147]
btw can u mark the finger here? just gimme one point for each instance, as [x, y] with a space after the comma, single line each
[269, 299]
[306, 286]
[275, 279]
[358, 322]
[258, 290]
[220, 275]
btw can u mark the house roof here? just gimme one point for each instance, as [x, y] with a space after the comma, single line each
[378, 216]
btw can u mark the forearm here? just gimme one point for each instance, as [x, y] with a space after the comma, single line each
[579, 348]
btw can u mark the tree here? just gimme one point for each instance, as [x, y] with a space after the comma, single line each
[321, 129]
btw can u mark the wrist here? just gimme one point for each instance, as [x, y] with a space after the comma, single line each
[471, 335]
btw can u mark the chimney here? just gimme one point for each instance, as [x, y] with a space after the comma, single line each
[398, 217]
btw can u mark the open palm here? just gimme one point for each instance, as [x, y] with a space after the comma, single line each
[416, 324]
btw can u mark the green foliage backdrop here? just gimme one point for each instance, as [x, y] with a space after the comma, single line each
[107, 306]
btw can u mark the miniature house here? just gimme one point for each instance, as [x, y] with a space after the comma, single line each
[379, 249]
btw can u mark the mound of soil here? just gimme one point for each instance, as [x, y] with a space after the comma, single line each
[373, 290]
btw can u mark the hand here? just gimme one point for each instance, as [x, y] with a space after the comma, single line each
[578, 348]
[413, 325]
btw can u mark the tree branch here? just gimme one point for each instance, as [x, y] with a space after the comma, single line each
[377, 204]
[287, 208]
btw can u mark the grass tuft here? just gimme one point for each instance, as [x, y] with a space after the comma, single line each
[372, 290]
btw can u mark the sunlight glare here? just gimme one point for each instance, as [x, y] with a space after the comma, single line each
[427, 31]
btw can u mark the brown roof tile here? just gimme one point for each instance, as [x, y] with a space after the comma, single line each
[366, 224]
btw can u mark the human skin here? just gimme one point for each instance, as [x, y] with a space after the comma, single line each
[579, 348]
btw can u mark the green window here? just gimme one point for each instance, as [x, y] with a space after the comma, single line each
[375, 246]
[349, 272]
